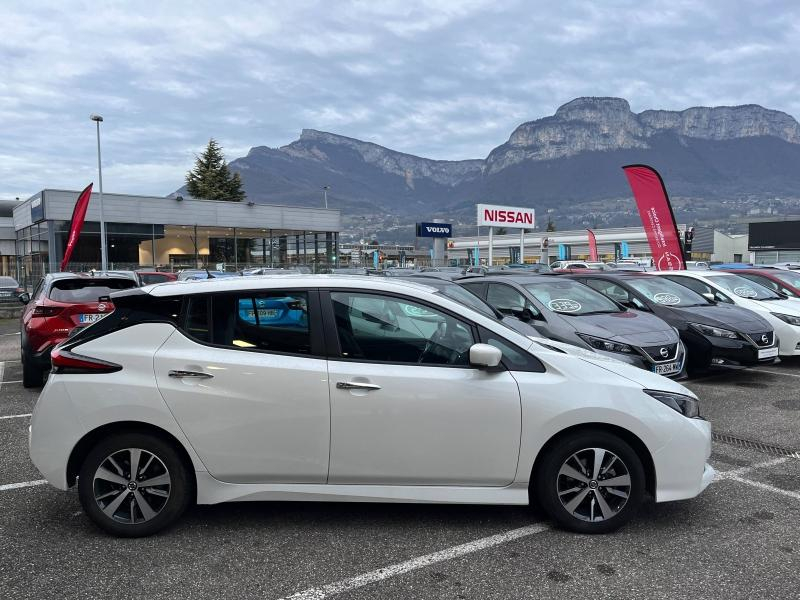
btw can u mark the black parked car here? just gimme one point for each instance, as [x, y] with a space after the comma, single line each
[715, 335]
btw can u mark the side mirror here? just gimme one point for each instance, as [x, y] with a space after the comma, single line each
[484, 356]
[710, 297]
[24, 297]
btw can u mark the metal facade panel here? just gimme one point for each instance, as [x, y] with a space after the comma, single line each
[121, 208]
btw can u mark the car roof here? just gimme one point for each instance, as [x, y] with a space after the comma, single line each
[515, 277]
[298, 280]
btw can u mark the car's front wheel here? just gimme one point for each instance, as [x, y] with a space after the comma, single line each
[590, 482]
[134, 484]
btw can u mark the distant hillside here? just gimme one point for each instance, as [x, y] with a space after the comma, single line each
[569, 162]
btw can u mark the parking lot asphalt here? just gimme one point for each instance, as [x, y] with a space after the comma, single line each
[739, 539]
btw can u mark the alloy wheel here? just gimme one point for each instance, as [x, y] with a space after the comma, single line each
[132, 486]
[593, 484]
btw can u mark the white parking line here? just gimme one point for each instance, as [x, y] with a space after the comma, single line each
[12, 381]
[16, 416]
[2, 334]
[21, 484]
[742, 470]
[765, 486]
[346, 585]
[779, 373]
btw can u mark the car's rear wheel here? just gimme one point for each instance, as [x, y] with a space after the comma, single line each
[32, 374]
[134, 484]
[591, 482]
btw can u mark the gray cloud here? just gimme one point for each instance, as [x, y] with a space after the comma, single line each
[447, 79]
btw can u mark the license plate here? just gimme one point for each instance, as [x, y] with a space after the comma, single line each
[90, 318]
[667, 368]
[5, 293]
[263, 313]
[767, 352]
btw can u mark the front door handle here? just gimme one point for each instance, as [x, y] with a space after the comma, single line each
[356, 385]
[189, 375]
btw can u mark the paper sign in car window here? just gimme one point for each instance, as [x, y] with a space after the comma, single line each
[564, 305]
[666, 298]
[745, 292]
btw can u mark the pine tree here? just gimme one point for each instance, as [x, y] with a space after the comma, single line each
[211, 178]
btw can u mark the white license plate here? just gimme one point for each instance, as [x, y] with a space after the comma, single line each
[263, 313]
[667, 368]
[90, 318]
[767, 352]
[5, 293]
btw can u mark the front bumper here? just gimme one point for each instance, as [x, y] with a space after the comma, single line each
[682, 469]
[637, 360]
[736, 353]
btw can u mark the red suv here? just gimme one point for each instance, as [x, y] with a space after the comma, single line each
[61, 302]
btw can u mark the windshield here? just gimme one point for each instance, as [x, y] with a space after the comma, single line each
[744, 288]
[789, 277]
[8, 282]
[666, 292]
[570, 297]
[462, 296]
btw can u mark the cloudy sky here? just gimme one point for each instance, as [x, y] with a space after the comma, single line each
[446, 79]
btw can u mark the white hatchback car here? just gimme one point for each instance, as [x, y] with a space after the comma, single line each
[719, 286]
[339, 388]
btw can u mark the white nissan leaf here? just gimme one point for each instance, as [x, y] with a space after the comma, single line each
[350, 389]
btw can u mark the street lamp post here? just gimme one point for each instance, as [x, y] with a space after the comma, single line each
[325, 189]
[103, 255]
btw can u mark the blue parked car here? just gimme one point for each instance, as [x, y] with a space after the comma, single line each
[284, 312]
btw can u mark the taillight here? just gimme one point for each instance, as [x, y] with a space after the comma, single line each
[64, 361]
[47, 311]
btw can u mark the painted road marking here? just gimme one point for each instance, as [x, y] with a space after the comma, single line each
[742, 470]
[346, 585]
[12, 381]
[2, 334]
[765, 486]
[779, 373]
[16, 416]
[22, 484]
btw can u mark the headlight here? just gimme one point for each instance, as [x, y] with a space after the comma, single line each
[715, 331]
[606, 345]
[790, 319]
[686, 405]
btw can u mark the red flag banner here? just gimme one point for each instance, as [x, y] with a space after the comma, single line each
[78, 215]
[657, 217]
[592, 246]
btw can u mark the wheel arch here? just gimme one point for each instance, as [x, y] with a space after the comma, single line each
[626, 435]
[90, 439]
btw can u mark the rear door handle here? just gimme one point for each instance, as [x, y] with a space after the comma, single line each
[189, 375]
[356, 385]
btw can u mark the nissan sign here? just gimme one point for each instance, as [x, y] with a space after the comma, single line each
[505, 216]
[434, 230]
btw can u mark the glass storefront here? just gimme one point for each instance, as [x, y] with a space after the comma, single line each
[40, 248]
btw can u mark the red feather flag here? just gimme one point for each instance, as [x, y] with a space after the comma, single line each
[657, 217]
[592, 246]
[78, 216]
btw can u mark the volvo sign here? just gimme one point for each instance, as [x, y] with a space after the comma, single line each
[434, 230]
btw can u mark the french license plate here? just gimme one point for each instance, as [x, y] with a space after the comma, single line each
[767, 352]
[667, 368]
[5, 294]
[90, 318]
[263, 313]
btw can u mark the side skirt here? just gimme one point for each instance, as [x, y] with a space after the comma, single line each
[213, 491]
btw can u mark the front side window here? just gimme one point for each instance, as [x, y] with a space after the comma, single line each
[790, 277]
[381, 328]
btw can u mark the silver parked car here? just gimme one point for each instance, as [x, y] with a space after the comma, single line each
[565, 310]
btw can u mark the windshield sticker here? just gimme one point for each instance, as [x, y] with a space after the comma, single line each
[564, 305]
[666, 298]
[745, 292]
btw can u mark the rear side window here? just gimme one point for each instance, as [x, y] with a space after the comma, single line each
[87, 290]
[274, 321]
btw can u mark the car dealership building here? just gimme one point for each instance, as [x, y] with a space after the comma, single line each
[171, 233]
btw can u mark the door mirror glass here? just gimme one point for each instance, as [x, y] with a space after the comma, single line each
[24, 297]
[484, 356]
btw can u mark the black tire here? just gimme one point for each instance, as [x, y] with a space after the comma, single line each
[32, 374]
[180, 489]
[579, 447]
